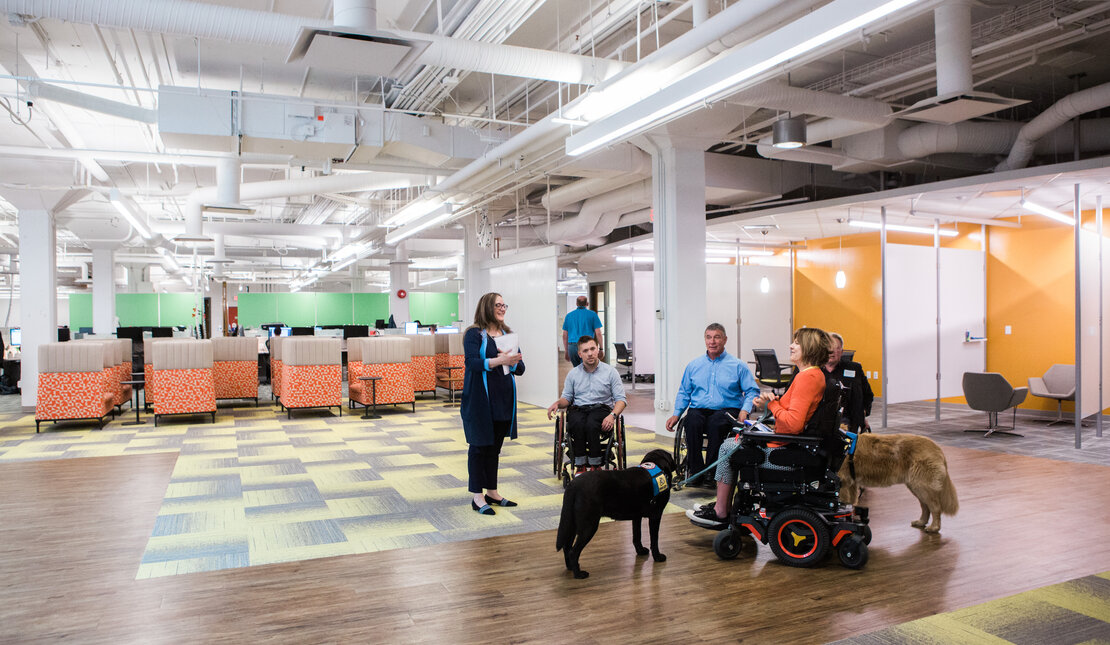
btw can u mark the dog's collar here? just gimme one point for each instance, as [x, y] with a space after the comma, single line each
[658, 478]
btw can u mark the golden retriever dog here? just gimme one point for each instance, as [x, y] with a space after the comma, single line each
[889, 459]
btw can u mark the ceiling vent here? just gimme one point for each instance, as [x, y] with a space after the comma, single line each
[957, 107]
[358, 52]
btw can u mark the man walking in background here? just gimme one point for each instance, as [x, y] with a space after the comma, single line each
[578, 323]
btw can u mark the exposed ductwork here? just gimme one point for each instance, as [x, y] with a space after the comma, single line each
[600, 215]
[1061, 112]
[40, 90]
[570, 196]
[186, 18]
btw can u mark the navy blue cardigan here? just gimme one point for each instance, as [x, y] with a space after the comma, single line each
[477, 414]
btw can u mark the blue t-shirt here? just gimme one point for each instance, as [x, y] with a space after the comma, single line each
[581, 322]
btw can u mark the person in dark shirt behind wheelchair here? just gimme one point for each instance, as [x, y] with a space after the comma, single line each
[857, 397]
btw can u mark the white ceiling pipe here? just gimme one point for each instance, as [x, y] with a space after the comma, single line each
[359, 14]
[569, 196]
[201, 20]
[809, 154]
[799, 100]
[586, 224]
[828, 130]
[228, 177]
[1061, 112]
[998, 138]
[193, 159]
[952, 25]
[84, 101]
[339, 183]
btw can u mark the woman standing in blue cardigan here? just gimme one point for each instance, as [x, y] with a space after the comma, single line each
[488, 400]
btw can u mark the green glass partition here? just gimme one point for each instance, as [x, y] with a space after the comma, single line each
[138, 309]
[334, 308]
[80, 310]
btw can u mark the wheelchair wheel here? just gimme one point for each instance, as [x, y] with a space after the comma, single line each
[728, 544]
[621, 445]
[558, 451]
[852, 552]
[866, 534]
[799, 537]
[680, 451]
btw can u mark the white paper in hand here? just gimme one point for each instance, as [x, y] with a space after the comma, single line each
[507, 343]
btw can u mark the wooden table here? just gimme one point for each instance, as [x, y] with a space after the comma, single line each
[451, 380]
[373, 397]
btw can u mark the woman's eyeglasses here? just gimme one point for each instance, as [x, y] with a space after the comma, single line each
[500, 305]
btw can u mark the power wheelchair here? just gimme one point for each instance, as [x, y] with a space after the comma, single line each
[796, 511]
[613, 446]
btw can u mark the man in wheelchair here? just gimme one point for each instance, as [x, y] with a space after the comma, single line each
[809, 351]
[593, 397]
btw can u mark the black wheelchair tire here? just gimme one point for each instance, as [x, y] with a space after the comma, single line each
[679, 453]
[866, 534]
[622, 445]
[728, 544]
[809, 535]
[852, 552]
[558, 450]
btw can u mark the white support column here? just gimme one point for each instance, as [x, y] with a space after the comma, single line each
[475, 278]
[678, 182]
[38, 295]
[104, 291]
[399, 280]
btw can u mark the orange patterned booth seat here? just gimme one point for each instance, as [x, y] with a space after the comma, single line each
[311, 373]
[275, 367]
[119, 349]
[235, 367]
[183, 378]
[148, 371]
[74, 382]
[423, 363]
[389, 357]
[451, 356]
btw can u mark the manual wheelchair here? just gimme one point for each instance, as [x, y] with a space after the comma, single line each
[613, 447]
[796, 510]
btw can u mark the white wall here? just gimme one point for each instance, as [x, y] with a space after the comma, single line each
[526, 282]
[721, 306]
[766, 319]
[911, 330]
[1091, 284]
[643, 337]
[14, 319]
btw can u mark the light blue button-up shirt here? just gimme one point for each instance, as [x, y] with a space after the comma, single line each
[716, 384]
[603, 385]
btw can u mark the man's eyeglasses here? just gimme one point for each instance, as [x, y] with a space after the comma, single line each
[500, 305]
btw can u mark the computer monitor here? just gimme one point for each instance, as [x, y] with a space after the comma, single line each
[286, 331]
[63, 334]
[356, 331]
[161, 332]
[411, 328]
[447, 330]
[16, 337]
[379, 323]
[303, 331]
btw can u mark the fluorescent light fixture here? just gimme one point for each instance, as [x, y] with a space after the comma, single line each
[344, 264]
[841, 279]
[1047, 212]
[903, 228]
[562, 120]
[414, 210]
[717, 260]
[439, 216]
[749, 61]
[168, 257]
[117, 202]
[635, 258]
[765, 285]
[434, 281]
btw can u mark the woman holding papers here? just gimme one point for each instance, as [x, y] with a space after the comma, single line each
[492, 360]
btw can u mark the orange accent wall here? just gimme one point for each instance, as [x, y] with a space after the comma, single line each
[1031, 287]
[855, 312]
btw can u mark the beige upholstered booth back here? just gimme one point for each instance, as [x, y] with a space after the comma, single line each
[182, 354]
[307, 350]
[275, 347]
[234, 348]
[422, 344]
[354, 350]
[72, 357]
[386, 349]
[455, 344]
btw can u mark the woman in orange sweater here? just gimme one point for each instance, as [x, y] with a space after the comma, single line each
[808, 351]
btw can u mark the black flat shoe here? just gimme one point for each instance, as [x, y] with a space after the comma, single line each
[484, 509]
[499, 502]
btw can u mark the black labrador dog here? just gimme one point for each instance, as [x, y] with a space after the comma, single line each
[629, 494]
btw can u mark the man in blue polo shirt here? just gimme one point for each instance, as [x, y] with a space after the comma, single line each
[578, 323]
[712, 385]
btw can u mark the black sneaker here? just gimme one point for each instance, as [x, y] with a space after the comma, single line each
[707, 516]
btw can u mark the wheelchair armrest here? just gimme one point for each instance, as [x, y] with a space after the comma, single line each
[764, 437]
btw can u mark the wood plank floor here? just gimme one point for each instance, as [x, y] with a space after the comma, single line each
[72, 533]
